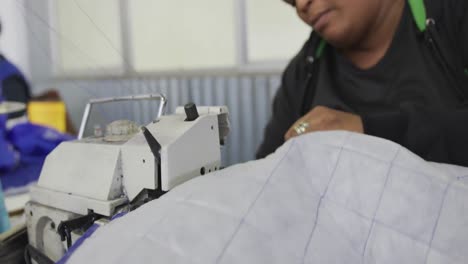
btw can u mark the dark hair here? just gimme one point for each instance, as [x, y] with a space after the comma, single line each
[291, 2]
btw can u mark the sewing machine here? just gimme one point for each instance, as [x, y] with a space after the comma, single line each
[94, 178]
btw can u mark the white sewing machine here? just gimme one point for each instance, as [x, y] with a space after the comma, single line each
[92, 179]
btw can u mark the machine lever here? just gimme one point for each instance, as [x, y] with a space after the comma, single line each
[65, 228]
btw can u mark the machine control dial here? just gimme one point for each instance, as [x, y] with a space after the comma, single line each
[191, 112]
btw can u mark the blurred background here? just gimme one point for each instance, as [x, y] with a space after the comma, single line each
[211, 52]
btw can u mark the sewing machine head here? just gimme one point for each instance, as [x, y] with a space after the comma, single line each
[99, 176]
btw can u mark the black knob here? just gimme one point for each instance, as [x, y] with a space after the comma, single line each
[191, 112]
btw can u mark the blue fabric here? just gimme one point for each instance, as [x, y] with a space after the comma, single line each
[25, 173]
[7, 154]
[23, 149]
[34, 140]
[33, 143]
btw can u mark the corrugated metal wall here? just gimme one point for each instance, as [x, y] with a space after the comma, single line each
[248, 98]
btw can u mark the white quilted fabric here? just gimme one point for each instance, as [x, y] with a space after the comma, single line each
[332, 197]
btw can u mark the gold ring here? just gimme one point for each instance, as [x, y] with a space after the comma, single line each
[301, 127]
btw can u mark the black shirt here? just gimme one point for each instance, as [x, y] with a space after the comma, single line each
[407, 97]
[16, 89]
[406, 74]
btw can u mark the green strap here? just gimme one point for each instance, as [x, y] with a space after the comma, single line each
[419, 13]
[320, 49]
[466, 72]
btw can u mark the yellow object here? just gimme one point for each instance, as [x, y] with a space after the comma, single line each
[51, 114]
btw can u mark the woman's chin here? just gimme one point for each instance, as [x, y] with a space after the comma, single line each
[336, 38]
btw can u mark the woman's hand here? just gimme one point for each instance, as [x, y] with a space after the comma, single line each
[324, 119]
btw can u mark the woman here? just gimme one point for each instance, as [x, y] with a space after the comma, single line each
[394, 69]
